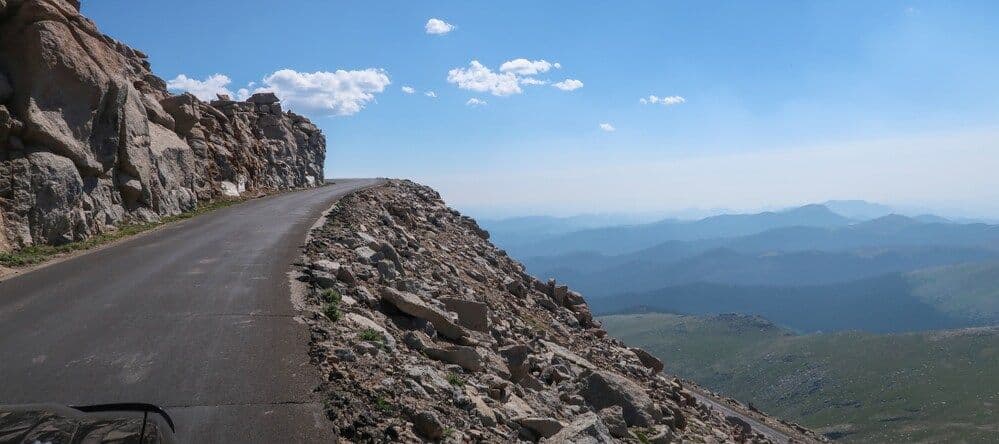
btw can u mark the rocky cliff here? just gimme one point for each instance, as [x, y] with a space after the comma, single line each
[90, 138]
[427, 332]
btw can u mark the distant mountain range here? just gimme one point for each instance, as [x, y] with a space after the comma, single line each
[628, 238]
[808, 268]
[795, 255]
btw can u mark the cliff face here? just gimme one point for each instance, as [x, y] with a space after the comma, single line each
[426, 331]
[90, 138]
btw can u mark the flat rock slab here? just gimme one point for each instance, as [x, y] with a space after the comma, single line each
[412, 305]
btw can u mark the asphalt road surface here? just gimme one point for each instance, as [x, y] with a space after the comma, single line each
[195, 317]
[772, 434]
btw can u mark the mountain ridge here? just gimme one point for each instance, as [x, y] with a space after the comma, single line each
[621, 239]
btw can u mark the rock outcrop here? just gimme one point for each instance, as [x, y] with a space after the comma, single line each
[458, 344]
[91, 139]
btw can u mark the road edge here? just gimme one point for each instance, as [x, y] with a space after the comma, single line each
[12, 272]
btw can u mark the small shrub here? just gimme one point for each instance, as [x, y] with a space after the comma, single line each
[372, 335]
[331, 295]
[332, 311]
[383, 404]
[641, 436]
[455, 380]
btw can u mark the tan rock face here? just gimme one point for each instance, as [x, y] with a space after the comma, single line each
[483, 352]
[134, 152]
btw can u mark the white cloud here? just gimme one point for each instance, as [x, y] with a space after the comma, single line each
[408, 89]
[328, 93]
[568, 85]
[473, 102]
[524, 67]
[339, 93]
[532, 81]
[665, 101]
[203, 89]
[430, 94]
[607, 127]
[481, 79]
[437, 26]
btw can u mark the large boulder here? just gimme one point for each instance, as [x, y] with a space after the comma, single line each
[516, 356]
[473, 359]
[585, 429]
[469, 358]
[613, 418]
[412, 305]
[471, 314]
[603, 389]
[263, 98]
[648, 360]
[540, 425]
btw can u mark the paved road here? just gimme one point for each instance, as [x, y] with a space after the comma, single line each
[195, 317]
[774, 435]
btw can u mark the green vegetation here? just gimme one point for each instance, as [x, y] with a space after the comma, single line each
[331, 295]
[383, 404]
[956, 296]
[371, 335]
[37, 254]
[455, 380]
[917, 387]
[330, 299]
[332, 311]
[641, 435]
[967, 291]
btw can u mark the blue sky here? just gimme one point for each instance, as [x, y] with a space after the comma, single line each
[783, 102]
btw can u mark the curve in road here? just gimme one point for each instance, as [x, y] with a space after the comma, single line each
[195, 317]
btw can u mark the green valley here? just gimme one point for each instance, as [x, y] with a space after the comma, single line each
[858, 387]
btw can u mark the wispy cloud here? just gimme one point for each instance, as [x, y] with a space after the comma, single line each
[430, 94]
[436, 26]
[524, 67]
[607, 127]
[474, 102]
[408, 89]
[532, 81]
[665, 101]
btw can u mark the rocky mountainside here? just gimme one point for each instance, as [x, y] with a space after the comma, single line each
[426, 331]
[90, 138]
